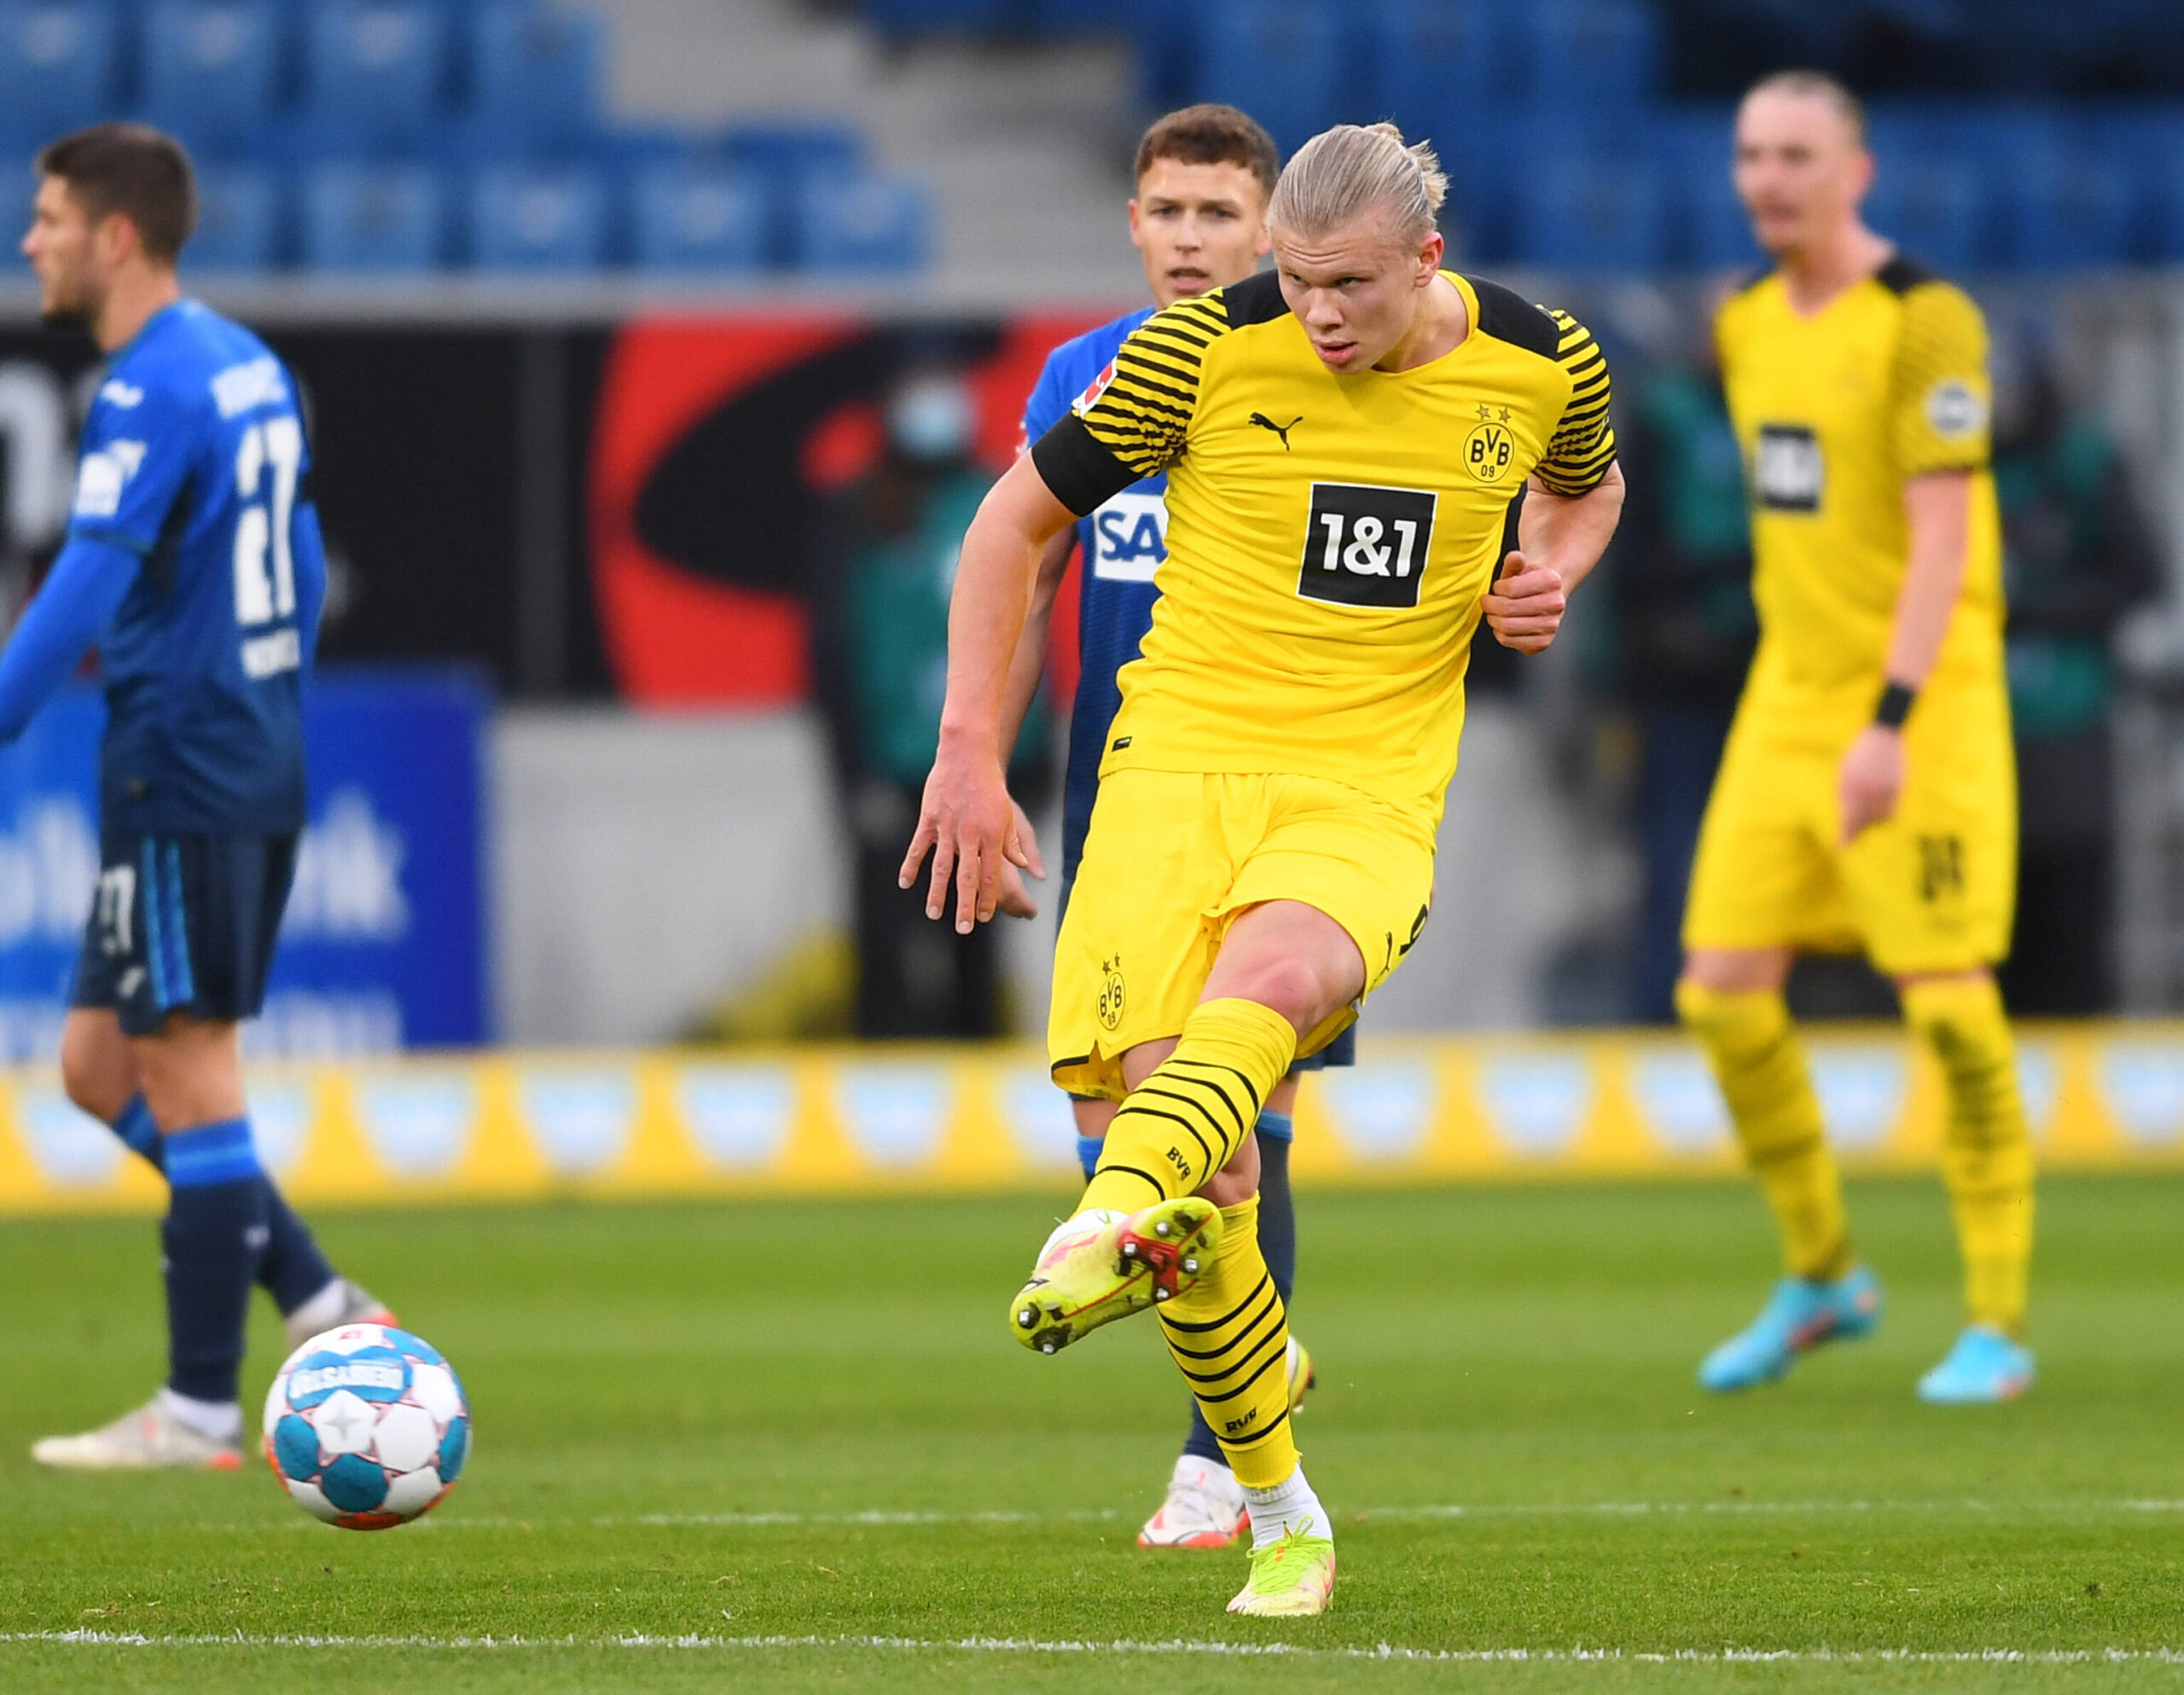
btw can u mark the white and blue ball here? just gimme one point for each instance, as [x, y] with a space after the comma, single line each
[367, 1427]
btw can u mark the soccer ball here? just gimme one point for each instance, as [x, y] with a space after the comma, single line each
[366, 1426]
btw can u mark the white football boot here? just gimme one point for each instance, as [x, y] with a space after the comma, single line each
[1205, 1508]
[149, 1439]
[339, 1302]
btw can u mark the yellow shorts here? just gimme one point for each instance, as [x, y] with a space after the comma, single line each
[1172, 858]
[1932, 890]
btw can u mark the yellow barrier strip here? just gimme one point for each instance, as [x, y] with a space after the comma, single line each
[961, 1120]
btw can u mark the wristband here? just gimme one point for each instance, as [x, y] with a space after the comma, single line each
[1895, 705]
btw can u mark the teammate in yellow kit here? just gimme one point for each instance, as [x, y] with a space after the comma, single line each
[1342, 439]
[1867, 796]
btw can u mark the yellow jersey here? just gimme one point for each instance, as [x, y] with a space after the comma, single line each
[1329, 537]
[1835, 413]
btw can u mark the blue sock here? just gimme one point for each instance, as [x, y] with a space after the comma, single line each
[1087, 1154]
[293, 1270]
[1277, 1242]
[214, 1237]
[136, 1129]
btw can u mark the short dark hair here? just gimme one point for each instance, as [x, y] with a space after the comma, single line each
[1817, 86]
[1210, 135]
[134, 170]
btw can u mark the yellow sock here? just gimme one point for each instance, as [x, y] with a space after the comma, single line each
[1986, 1149]
[1762, 1071]
[1180, 1126]
[1230, 1336]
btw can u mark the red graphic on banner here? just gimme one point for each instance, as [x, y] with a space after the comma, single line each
[677, 636]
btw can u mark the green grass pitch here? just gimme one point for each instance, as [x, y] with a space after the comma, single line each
[682, 1412]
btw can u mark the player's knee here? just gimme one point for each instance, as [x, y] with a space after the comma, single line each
[1286, 986]
[90, 1073]
[1731, 1021]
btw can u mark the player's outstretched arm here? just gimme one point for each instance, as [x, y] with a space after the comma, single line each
[1938, 508]
[1025, 672]
[967, 821]
[78, 599]
[1560, 539]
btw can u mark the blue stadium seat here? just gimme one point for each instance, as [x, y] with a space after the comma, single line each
[537, 217]
[2069, 207]
[1589, 56]
[789, 148]
[695, 218]
[374, 219]
[211, 68]
[376, 69]
[57, 64]
[1435, 68]
[1936, 207]
[1163, 39]
[1601, 214]
[859, 223]
[1283, 61]
[535, 72]
[238, 214]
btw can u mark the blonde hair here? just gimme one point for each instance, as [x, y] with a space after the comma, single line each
[1343, 173]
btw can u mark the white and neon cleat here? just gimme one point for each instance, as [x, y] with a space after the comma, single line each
[1205, 1508]
[1291, 1578]
[149, 1439]
[342, 1303]
[1100, 1266]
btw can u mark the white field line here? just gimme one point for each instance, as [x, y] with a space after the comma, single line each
[1018, 1645]
[1540, 1509]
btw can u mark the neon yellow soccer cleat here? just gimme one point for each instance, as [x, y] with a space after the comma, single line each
[1102, 1266]
[1290, 1578]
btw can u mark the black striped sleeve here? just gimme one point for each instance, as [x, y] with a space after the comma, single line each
[1137, 413]
[1582, 447]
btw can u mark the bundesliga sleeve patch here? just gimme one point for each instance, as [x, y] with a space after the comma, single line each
[1954, 409]
[1085, 401]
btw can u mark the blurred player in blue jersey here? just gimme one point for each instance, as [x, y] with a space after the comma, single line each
[194, 563]
[1198, 220]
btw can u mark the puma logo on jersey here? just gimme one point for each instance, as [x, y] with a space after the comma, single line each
[1281, 430]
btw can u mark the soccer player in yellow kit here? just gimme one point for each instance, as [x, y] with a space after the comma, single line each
[1342, 439]
[1868, 796]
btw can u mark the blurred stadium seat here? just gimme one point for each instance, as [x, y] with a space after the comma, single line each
[537, 217]
[1604, 214]
[1589, 55]
[374, 219]
[57, 65]
[238, 219]
[1283, 61]
[535, 73]
[1933, 206]
[211, 69]
[859, 223]
[376, 69]
[695, 218]
[1435, 66]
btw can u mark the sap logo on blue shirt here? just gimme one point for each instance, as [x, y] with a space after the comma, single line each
[1131, 530]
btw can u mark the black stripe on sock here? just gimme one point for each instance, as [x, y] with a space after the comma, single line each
[1266, 1281]
[1211, 1163]
[1210, 1065]
[1229, 1148]
[1272, 1310]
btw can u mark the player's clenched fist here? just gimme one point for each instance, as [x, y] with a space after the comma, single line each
[969, 825]
[1525, 607]
[1870, 780]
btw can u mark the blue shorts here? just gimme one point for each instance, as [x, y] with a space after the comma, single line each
[184, 924]
[1342, 1051]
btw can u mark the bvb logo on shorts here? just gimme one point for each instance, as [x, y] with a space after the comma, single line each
[1487, 451]
[1111, 992]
